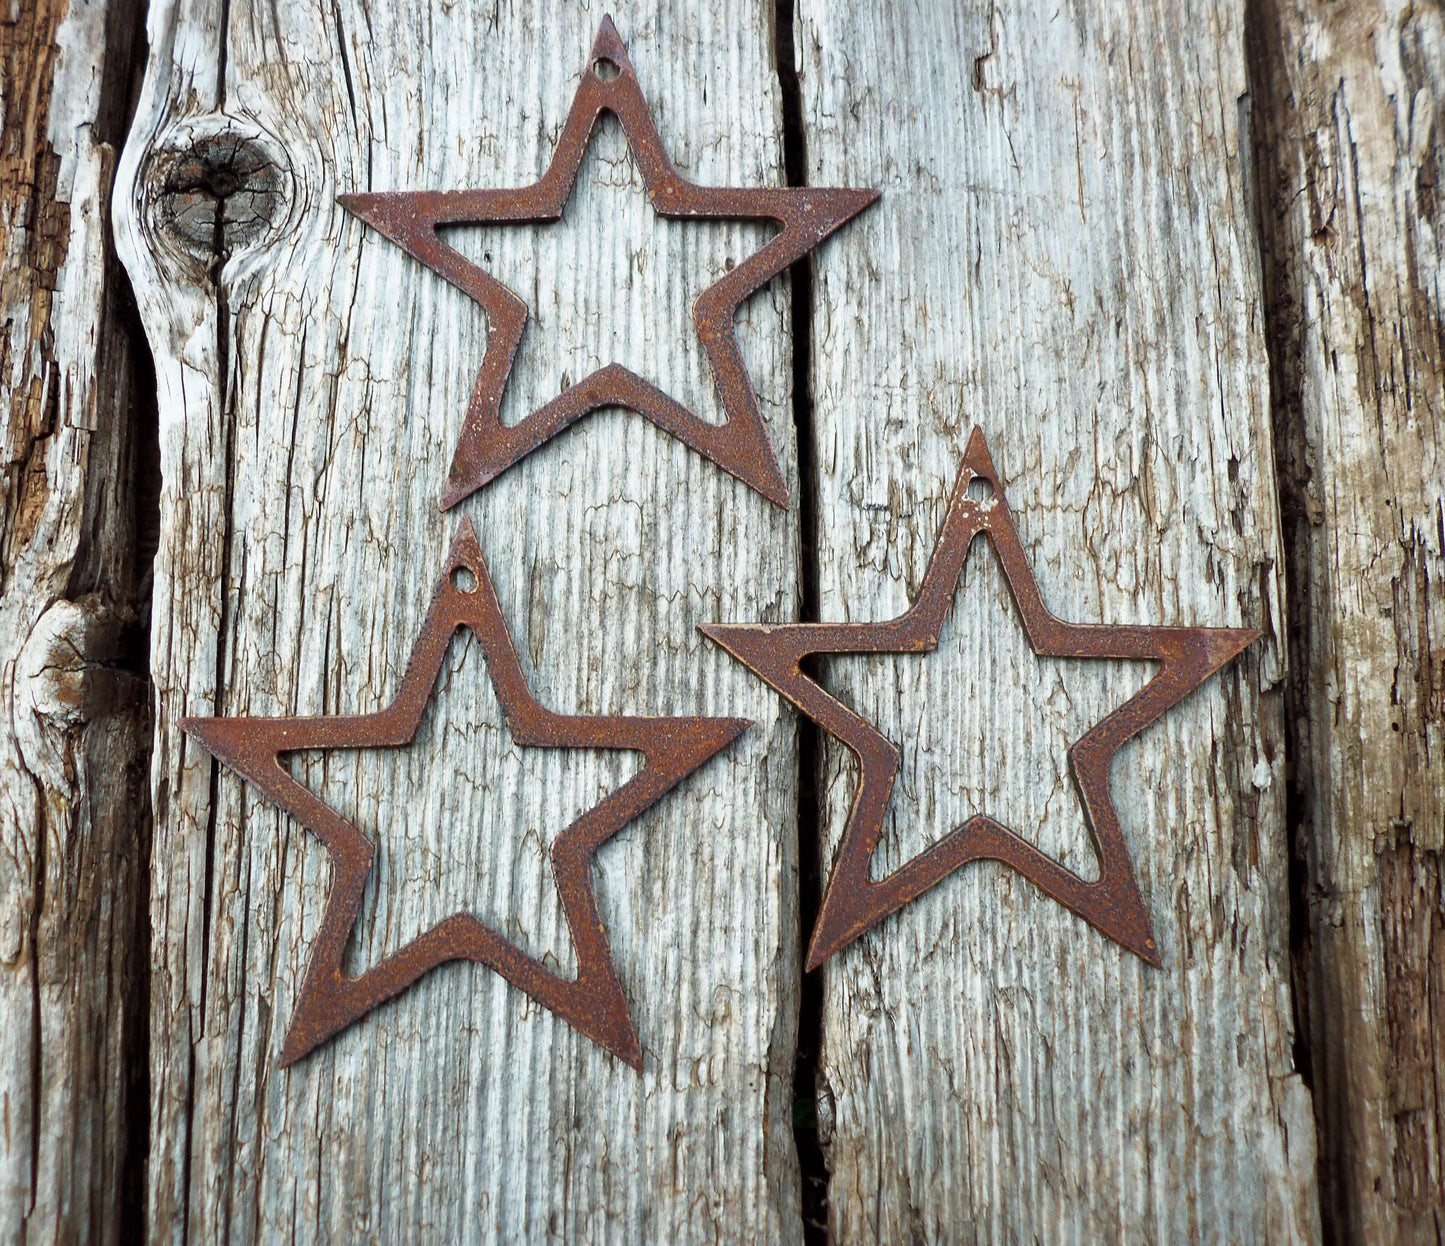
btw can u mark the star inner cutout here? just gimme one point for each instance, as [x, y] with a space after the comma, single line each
[852, 902]
[593, 1003]
[610, 284]
[487, 447]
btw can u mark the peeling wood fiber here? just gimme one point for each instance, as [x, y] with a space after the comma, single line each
[1352, 108]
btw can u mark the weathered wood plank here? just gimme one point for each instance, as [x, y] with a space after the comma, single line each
[1063, 255]
[1354, 97]
[72, 748]
[311, 390]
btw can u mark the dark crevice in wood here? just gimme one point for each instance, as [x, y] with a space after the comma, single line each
[812, 1162]
[135, 650]
[126, 70]
[1270, 112]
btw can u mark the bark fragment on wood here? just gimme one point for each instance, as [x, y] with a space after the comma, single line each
[1064, 255]
[1350, 99]
[312, 382]
[72, 795]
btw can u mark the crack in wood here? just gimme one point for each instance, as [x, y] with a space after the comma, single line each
[808, 1122]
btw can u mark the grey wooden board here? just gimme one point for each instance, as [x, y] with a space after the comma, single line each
[1063, 255]
[309, 402]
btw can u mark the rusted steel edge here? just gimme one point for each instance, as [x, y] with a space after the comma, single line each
[852, 902]
[593, 1003]
[487, 447]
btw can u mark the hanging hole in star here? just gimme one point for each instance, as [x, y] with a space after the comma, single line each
[464, 579]
[605, 69]
[980, 489]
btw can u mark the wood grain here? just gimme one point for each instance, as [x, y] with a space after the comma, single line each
[72, 695]
[1352, 103]
[1064, 255]
[311, 389]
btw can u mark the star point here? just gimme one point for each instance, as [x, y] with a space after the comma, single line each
[593, 1003]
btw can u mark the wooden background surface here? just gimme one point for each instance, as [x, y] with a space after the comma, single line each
[1181, 264]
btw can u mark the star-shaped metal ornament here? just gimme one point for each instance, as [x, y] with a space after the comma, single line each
[592, 1003]
[740, 444]
[852, 902]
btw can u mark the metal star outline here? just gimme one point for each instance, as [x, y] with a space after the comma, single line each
[593, 1003]
[739, 445]
[852, 902]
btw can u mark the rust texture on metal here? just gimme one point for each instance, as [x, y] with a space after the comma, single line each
[592, 1003]
[852, 902]
[487, 447]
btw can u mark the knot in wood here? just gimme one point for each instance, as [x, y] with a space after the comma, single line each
[216, 186]
[67, 675]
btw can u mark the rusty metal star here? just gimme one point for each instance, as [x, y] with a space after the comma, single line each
[852, 902]
[592, 1003]
[739, 445]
